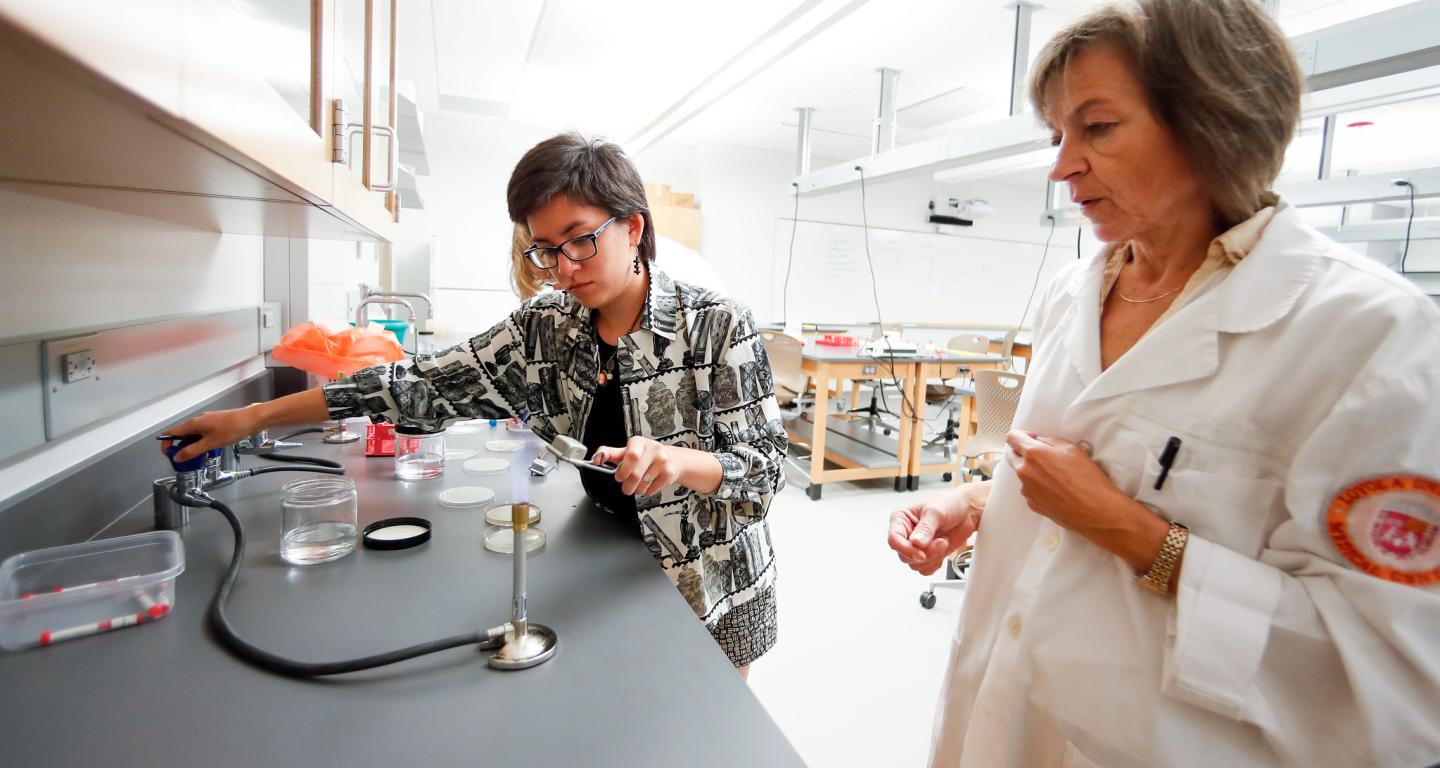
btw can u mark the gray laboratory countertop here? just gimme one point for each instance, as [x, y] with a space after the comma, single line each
[636, 681]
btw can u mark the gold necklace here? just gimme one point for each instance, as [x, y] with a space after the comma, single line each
[1127, 299]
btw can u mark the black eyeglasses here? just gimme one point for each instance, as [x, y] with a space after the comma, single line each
[575, 249]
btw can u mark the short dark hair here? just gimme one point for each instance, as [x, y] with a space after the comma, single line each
[590, 172]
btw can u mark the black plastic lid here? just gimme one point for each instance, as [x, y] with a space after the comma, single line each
[374, 539]
[410, 429]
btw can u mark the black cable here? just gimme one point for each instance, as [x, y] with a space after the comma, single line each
[266, 660]
[875, 292]
[1038, 270]
[790, 259]
[1408, 222]
[1077, 242]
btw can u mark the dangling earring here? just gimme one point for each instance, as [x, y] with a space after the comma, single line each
[637, 260]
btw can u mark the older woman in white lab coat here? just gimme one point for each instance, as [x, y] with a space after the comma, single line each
[1263, 592]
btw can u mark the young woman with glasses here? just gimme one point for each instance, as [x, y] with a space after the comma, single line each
[664, 379]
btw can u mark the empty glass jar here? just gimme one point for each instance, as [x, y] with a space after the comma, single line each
[419, 455]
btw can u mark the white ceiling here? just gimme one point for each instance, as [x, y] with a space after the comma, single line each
[613, 67]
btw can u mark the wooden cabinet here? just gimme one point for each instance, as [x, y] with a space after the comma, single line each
[192, 111]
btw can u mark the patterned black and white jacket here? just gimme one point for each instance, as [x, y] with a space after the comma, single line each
[695, 374]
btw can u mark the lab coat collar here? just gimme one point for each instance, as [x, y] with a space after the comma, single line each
[1260, 290]
[1264, 287]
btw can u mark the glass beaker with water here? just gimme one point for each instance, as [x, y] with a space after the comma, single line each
[419, 454]
[317, 520]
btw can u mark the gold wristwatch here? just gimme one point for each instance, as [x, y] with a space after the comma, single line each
[1157, 579]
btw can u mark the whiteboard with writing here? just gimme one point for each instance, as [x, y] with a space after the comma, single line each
[920, 277]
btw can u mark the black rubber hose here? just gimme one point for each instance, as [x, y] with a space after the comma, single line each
[335, 470]
[298, 459]
[268, 661]
[299, 432]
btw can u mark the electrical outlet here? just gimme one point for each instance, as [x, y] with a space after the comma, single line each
[868, 370]
[78, 365]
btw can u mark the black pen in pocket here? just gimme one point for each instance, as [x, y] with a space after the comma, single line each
[1167, 460]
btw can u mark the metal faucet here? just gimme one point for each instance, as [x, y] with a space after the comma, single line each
[367, 292]
[261, 442]
[195, 478]
[361, 321]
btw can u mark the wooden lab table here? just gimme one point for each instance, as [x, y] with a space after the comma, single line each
[862, 449]
[1018, 349]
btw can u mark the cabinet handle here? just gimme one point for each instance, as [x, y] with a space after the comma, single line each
[346, 133]
[392, 158]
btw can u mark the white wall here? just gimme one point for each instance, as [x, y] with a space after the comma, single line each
[464, 229]
[337, 268]
[743, 192]
[465, 220]
[69, 266]
[65, 266]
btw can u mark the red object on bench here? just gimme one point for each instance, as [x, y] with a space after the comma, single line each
[836, 340]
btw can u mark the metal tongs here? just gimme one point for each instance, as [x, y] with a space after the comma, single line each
[572, 451]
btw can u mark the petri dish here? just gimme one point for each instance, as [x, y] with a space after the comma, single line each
[464, 428]
[499, 514]
[466, 496]
[518, 427]
[503, 446]
[484, 466]
[501, 538]
[459, 454]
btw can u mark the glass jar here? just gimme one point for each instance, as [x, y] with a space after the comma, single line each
[317, 520]
[419, 455]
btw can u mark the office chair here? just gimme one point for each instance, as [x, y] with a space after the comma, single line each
[1007, 348]
[792, 386]
[997, 393]
[937, 394]
[784, 351]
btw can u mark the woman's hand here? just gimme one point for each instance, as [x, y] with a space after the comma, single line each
[924, 534]
[1057, 478]
[1060, 481]
[644, 465]
[216, 429]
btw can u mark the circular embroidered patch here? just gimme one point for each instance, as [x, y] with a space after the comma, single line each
[1387, 527]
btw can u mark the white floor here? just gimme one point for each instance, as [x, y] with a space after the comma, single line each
[854, 677]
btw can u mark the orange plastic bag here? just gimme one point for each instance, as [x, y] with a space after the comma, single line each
[329, 353]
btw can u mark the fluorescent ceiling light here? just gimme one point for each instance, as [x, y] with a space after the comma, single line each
[808, 20]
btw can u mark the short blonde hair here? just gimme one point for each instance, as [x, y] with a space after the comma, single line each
[525, 278]
[1220, 76]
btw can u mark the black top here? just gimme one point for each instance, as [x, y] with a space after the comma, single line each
[606, 427]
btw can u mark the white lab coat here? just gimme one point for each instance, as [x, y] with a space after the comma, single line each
[1304, 369]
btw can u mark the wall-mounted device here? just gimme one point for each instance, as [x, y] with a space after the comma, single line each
[948, 213]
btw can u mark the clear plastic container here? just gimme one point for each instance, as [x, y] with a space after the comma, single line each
[419, 455]
[317, 520]
[61, 593]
